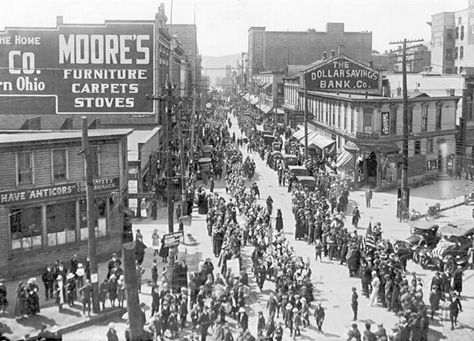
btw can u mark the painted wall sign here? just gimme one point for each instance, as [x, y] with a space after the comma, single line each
[78, 68]
[342, 73]
[385, 121]
[57, 191]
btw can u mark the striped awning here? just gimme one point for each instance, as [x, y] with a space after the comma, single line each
[344, 159]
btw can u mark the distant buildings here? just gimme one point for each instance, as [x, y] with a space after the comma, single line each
[275, 50]
[452, 41]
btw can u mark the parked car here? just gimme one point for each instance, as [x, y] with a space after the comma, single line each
[298, 170]
[203, 165]
[452, 248]
[306, 181]
[424, 234]
[269, 139]
[290, 160]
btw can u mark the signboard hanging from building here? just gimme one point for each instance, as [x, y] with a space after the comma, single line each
[342, 73]
[78, 69]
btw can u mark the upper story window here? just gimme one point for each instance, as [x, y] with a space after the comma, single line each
[393, 121]
[417, 147]
[439, 117]
[59, 164]
[462, 32]
[457, 32]
[24, 168]
[456, 54]
[461, 52]
[424, 118]
[410, 119]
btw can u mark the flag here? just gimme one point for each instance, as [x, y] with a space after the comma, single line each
[369, 242]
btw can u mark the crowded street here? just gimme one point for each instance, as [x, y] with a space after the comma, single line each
[331, 281]
[251, 170]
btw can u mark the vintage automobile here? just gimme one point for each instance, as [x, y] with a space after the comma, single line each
[307, 181]
[276, 146]
[424, 234]
[207, 151]
[298, 170]
[290, 160]
[203, 165]
[452, 249]
[269, 139]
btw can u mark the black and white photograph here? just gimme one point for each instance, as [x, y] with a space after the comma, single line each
[237, 170]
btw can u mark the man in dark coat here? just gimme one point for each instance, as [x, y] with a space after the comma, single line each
[86, 297]
[48, 280]
[319, 315]
[355, 217]
[354, 303]
[457, 280]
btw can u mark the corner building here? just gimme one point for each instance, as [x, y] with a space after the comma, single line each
[43, 197]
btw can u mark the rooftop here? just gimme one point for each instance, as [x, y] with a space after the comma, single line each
[17, 137]
[137, 137]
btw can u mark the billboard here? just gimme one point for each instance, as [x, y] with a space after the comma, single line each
[105, 68]
[342, 73]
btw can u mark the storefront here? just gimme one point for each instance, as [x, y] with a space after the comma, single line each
[43, 197]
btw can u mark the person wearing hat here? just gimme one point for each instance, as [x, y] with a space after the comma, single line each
[296, 321]
[112, 289]
[48, 281]
[381, 333]
[115, 262]
[454, 308]
[243, 319]
[354, 303]
[70, 289]
[375, 289]
[319, 315]
[112, 333]
[60, 292]
[354, 333]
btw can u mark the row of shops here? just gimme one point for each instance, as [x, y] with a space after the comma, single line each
[356, 126]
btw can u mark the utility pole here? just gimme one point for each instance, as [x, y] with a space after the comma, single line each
[182, 150]
[90, 217]
[405, 194]
[131, 291]
[305, 122]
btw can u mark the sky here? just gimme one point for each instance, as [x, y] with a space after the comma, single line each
[223, 24]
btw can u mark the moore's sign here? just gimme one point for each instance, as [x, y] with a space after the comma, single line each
[341, 73]
[78, 68]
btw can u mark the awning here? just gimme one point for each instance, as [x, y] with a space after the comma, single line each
[343, 159]
[321, 141]
[266, 86]
[351, 147]
[265, 108]
[299, 134]
[254, 100]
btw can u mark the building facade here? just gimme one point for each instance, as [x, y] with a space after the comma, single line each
[348, 114]
[275, 50]
[452, 40]
[43, 198]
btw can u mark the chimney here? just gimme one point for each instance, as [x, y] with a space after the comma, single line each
[59, 20]
[333, 53]
[325, 55]
[340, 49]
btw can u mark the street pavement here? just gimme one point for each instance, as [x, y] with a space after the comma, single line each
[331, 280]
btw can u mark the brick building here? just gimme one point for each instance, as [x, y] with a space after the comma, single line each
[275, 50]
[43, 199]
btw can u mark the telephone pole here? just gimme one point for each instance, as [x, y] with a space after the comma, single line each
[90, 211]
[305, 122]
[403, 45]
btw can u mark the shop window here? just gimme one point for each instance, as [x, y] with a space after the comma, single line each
[367, 124]
[417, 147]
[424, 118]
[25, 227]
[24, 168]
[61, 223]
[59, 164]
[439, 116]
[429, 146]
[100, 218]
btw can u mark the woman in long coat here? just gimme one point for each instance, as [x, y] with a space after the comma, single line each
[20, 302]
[113, 288]
[279, 221]
[164, 250]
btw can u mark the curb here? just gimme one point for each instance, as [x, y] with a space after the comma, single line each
[93, 320]
[442, 210]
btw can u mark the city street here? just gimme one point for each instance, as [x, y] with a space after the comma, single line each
[331, 280]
